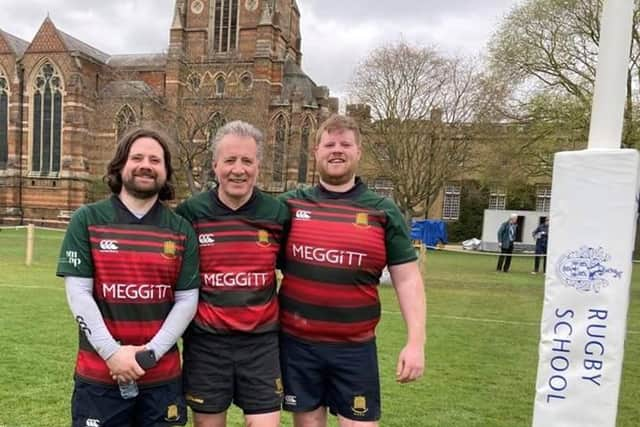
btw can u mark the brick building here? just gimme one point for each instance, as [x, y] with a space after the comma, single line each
[64, 103]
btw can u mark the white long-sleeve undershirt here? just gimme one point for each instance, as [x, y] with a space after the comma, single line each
[79, 292]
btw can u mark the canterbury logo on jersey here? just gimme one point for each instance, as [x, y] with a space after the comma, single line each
[301, 214]
[206, 239]
[109, 245]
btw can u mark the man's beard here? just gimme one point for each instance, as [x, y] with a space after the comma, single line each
[334, 179]
[141, 193]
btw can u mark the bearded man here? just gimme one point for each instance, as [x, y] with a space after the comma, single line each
[341, 237]
[130, 267]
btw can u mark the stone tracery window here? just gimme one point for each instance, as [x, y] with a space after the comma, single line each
[304, 151]
[279, 148]
[194, 81]
[125, 118]
[223, 28]
[246, 81]
[220, 86]
[216, 121]
[47, 120]
[4, 120]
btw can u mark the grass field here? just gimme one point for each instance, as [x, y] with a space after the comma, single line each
[481, 352]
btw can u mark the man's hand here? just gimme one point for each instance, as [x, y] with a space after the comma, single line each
[122, 364]
[407, 280]
[410, 363]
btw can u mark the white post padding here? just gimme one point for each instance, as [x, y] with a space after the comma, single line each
[593, 216]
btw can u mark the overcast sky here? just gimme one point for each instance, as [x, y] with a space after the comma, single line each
[336, 34]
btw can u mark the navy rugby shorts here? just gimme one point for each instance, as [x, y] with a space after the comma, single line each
[102, 406]
[341, 376]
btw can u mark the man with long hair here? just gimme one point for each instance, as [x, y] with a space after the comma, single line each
[130, 267]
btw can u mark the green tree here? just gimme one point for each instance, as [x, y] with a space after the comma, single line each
[542, 62]
[473, 202]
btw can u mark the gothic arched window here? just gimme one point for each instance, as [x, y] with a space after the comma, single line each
[246, 81]
[194, 81]
[47, 120]
[304, 151]
[216, 121]
[125, 118]
[279, 148]
[223, 28]
[4, 120]
[220, 84]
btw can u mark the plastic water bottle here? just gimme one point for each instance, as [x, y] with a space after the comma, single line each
[128, 390]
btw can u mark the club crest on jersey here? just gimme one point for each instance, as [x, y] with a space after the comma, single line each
[263, 238]
[359, 407]
[362, 220]
[169, 249]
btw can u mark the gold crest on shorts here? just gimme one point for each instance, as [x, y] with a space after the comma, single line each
[359, 405]
[169, 249]
[172, 413]
[362, 220]
[263, 238]
[279, 388]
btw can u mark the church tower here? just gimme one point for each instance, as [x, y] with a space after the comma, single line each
[242, 58]
[64, 104]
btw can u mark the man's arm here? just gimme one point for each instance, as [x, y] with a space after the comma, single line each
[183, 310]
[120, 359]
[407, 281]
[535, 232]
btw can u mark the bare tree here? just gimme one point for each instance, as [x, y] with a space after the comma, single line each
[206, 100]
[421, 104]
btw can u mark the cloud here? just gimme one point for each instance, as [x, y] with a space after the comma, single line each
[133, 26]
[336, 34]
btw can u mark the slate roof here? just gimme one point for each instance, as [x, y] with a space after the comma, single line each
[296, 79]
[154, 60]
[15, 43]
[73, 44]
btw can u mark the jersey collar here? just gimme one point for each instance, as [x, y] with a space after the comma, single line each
[353, 193]
[247, 209]
[124, 215]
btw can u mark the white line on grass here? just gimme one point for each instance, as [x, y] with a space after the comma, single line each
[7, 285]
[478, 319]
[468, 319]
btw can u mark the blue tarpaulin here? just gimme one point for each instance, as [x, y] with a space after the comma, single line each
[429, 231]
